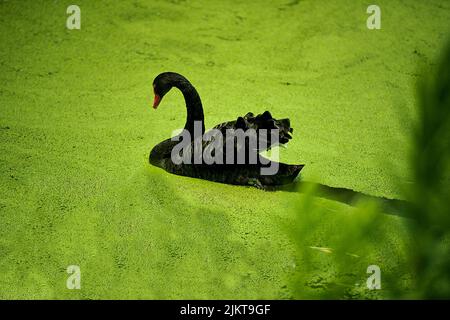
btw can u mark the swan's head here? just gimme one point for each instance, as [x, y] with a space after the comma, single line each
[161, 85]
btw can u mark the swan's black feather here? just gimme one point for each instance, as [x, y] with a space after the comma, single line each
[241, 174]
[263, 121]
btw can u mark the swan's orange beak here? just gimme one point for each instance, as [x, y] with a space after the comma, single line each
[156, 101]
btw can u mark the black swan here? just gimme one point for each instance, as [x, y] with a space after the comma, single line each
[239, 173]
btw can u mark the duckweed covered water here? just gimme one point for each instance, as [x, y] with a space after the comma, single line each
[76, 128]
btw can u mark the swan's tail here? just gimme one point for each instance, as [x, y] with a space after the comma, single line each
[286, 174]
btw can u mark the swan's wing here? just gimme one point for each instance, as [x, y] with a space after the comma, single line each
[243, 146]
[259, 128]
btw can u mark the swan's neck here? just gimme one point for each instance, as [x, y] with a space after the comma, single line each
[193, 106]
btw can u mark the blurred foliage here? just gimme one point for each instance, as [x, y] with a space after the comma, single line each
[429, 196]
[416, 263]
[334, 248]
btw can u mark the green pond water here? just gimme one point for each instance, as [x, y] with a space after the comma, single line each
[76, 128]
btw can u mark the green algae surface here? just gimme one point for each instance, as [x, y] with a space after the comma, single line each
[76, 128]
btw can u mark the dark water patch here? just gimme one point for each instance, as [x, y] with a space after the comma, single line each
[291, 4]
[229, 38]
[289, 83]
